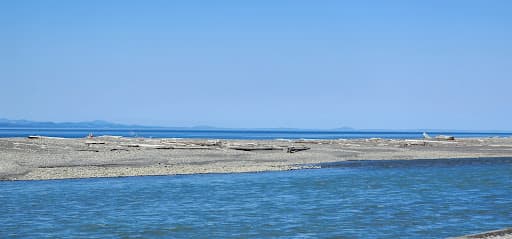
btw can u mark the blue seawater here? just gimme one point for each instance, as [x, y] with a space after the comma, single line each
[381, 199]
[236, 134]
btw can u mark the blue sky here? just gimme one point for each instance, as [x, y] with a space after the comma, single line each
[305, 64]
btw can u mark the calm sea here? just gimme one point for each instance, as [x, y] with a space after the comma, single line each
[235, 134]
[386, 199]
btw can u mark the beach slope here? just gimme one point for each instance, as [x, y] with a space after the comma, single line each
[56, 158]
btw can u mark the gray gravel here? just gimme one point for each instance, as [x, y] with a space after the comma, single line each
[498, 234]
[55, 158]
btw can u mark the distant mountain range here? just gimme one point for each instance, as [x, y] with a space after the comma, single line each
[101, 124]
[6, 123]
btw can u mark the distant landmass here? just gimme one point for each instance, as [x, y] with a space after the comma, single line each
[6, 123]
[101, 124]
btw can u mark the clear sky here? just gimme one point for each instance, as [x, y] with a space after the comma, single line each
[443, 64]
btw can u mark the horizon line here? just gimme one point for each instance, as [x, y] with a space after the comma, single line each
[116, 125]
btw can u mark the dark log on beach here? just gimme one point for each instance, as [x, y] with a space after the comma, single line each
[289, 149]
[88, 150]
[190, 147]
[150, 146]
[293, 149]
[94, 142]
[131, 145]
[255, 148]
[117, 149]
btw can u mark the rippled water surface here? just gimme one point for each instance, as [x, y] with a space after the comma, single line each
[237, 134]
[402, 199]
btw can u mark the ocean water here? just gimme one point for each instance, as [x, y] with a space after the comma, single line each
[385, 199]
[236, 134]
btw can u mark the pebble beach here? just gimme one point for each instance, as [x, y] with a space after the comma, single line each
[37, 158]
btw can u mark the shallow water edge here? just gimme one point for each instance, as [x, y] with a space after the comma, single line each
[374, 164]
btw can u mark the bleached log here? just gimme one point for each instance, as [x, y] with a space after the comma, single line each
[445, 137]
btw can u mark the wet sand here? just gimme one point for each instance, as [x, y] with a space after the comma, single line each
[58, 158]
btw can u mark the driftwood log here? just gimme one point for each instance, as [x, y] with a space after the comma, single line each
[94, 142]
[293, 149]
[445, 137]
[288, 149]
[255, 148]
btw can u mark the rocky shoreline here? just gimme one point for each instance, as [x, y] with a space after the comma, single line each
[38, 158]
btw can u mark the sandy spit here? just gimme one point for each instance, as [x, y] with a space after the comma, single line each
[58, 158]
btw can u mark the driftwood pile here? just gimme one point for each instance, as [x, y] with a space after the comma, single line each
[432, 142]
[123, 144]
[439, 137]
